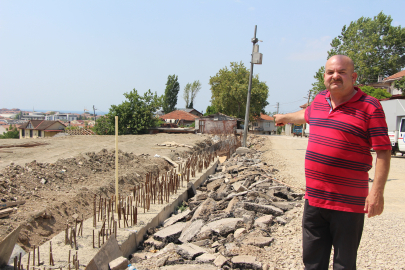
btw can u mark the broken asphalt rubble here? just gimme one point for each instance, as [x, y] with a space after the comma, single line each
[236, 208]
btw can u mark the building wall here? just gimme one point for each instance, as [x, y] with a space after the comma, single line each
[208, 126]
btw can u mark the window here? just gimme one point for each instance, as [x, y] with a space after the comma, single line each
[31, 133]
[39, 133]
[403, 125]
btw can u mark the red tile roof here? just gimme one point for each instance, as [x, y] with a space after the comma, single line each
[266, 117]
[181, 115]
[396, 75]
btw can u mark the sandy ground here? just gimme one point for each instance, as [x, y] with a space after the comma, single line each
[382, 242]
[70, 146]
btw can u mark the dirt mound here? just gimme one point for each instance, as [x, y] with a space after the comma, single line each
[53, 192]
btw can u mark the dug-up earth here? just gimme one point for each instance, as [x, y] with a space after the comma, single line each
[58, 177]
[75, 168]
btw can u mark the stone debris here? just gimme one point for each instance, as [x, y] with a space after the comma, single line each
[224, 219]
[119, 263]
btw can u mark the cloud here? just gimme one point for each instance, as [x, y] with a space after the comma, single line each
[251, 8]
[312, 49]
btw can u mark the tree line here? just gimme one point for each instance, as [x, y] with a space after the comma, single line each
[377, 49]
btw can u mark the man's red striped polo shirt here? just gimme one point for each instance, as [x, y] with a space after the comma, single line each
[338, 156]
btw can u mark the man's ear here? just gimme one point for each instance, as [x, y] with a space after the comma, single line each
[354, 77]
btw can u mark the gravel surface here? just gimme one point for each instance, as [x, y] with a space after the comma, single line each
[382, 244]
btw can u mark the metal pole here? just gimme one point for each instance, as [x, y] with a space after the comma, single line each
[245, 128]
[305, 124]
[116, 164]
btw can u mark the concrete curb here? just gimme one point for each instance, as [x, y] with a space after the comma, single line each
[129, 246]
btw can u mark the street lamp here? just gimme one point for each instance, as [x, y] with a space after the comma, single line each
[256, 59]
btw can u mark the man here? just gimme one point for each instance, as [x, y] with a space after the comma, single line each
[345, 123]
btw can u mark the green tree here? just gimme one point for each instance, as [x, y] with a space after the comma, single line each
[229, 89]
[400, 85]
[134, 115]
[318, 85]
[186, 94]
[171, 92]
[375, 46]
[378, 93]
[210, 110]
[190, 92]
[12, 133]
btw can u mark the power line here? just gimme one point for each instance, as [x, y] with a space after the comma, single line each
[286, 103]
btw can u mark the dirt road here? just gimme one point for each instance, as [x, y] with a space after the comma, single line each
[382, 244]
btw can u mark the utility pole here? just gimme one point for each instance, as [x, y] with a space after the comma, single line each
[305, 124]
[256, 59]
[94, 111]
[278, 106]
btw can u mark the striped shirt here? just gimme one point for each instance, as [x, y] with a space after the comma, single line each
[338, 156]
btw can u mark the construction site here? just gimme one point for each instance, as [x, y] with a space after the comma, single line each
[184, 201]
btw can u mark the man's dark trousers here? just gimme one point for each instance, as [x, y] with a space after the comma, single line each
[322, 228]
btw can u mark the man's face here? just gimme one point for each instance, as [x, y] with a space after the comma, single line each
[339, 76]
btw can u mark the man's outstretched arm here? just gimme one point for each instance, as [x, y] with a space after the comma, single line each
[375, 199]
[296, 118]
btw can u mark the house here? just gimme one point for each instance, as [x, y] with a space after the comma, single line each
[3, 129]
[61, 116]
[34, 116]
[40, 128]
[192, 111]
[390, 82]
[263, 124]
[217, 123]
[179, 117]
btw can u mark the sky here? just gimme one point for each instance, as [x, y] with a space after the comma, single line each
[71, 55]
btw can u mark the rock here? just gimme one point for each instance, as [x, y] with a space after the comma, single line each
[137, 257]
[170, 233]
[220, 261]
[214, 185]
[264, 220]
[175, 218]
[162, 261]
[239, 232]
[246, 262]
[244, 150]
[189, 267]
[232, 195]
[231, 249]
[204, 235]
[285, 206]
[43, 181]
[231, 205]
[119, 263]
[223, 226]
[258, 241]
[191, 230]
[281, 221]
[201, 196]
[189, 251]
[170, 247]
[154, 244]
[265, 209]
[202, 243]
[205, 209]
[206, 258]
[237, 185]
